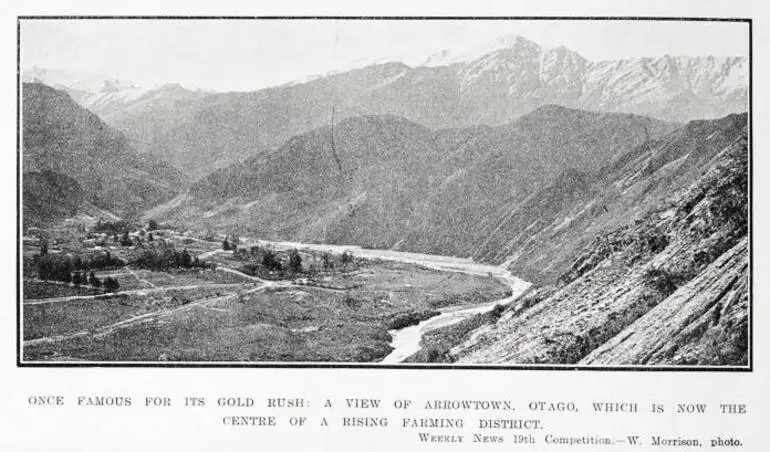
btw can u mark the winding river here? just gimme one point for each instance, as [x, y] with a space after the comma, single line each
[406, 341]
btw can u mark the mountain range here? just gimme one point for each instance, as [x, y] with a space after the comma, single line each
[199, 132]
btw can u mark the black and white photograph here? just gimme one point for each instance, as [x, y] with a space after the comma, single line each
[385, 192]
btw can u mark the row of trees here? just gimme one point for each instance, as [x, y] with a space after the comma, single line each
[111, 227]
[66, 270]
[120, 232]
[167, 259]
[125, 239]
[110, 284]
[60, 268]
[120, 226]
[269, 260]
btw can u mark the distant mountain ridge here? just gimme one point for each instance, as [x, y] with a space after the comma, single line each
[71, 158]
[387, 182]
[201, 132]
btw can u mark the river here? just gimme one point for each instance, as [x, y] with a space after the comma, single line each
[406, 341]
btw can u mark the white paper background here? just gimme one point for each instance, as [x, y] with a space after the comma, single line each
[26, 428]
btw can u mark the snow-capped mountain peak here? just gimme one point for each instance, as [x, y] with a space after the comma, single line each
[446, 57]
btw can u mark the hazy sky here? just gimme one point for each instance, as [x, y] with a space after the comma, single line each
[250, 54]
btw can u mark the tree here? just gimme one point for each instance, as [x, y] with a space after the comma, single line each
[93, 280]
[232, 241]
[111, 284]
[150, 238]
[347, 257]
[295, 261]
[43, 247]
[125, 240]
[328, 261]
[270, 261]
[152, 225]
[76, 278]
[187, 260]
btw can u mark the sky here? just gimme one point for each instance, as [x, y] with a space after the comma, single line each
[241, 55]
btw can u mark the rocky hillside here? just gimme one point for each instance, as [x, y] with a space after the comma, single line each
[671, 287]
[386, 182]
[492, 85]
[69, 150]
[538, 238]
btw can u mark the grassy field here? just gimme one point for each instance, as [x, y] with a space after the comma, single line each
[220, 314]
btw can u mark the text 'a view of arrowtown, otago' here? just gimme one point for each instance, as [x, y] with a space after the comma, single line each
[455, 421]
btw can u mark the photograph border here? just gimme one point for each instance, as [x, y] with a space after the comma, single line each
[368, 366]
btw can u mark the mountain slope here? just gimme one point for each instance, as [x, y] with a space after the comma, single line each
[357, 183]
[538, 237]
[668, 287]
[497, 171]
[386, 182]
[64, 142]
[49, 196]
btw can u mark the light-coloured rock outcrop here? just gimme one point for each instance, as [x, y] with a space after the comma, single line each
[703, 322]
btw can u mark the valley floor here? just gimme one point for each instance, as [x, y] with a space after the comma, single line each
[224, 314]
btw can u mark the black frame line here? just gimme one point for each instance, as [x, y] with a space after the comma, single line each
[332, 17]
[369, 366]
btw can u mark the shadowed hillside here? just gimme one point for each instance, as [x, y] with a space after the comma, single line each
[69, 149]
[386, 182]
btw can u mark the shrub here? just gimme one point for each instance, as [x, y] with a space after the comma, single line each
[111, 284]
[94, 281]
[497, 311]
[351, 301]
[295, 261]
[662, 280]
[433, 355]
[328, 261]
